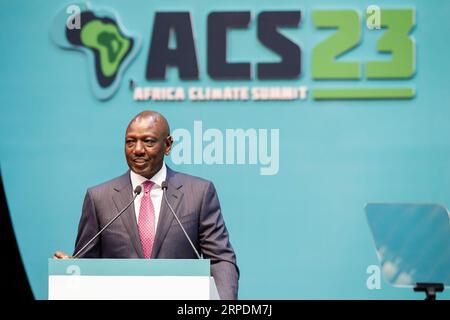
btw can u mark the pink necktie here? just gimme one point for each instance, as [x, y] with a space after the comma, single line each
[146, 221]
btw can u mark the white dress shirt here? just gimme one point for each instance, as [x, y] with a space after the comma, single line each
[156, 193]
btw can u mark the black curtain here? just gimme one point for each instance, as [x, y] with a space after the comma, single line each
[15, 283]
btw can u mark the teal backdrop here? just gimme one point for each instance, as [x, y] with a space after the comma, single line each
[298, 234]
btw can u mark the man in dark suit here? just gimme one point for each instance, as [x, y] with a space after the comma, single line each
[148, 229]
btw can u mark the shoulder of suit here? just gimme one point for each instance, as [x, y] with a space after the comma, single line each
[118, 182]
[187, 179]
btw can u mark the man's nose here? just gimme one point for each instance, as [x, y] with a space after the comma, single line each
[139, 148]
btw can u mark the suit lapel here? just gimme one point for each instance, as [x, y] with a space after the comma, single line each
[174, 196]
[122, 196]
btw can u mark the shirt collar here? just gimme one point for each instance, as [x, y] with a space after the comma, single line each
[157, 179]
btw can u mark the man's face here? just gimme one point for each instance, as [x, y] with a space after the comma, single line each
[146, 143]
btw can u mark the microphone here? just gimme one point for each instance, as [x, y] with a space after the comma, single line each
[164, 188]
[137, 191]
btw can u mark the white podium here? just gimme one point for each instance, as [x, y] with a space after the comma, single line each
[130, 279]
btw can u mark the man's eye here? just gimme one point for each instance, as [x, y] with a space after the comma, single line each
[149, 141]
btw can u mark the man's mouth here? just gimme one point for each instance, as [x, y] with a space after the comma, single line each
[140, 161]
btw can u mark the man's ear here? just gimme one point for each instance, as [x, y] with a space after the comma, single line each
[169, 142]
